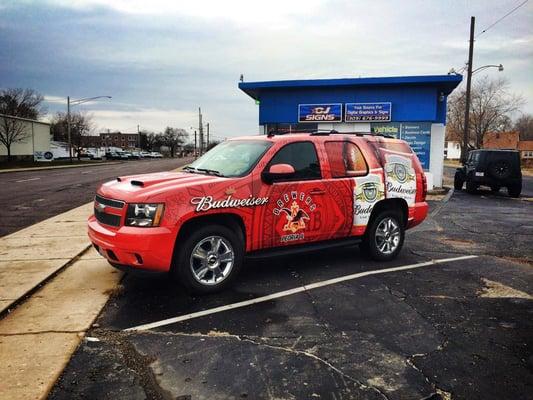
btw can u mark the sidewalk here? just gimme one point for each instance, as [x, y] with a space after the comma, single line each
[39, 335]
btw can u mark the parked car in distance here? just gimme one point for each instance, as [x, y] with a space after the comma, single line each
[145, 154]
[112, 155]
[155, 154]
[135, 155]
[261, 196]
[492, 168]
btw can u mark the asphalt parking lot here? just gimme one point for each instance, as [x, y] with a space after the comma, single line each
[41, 194]
[459, 329]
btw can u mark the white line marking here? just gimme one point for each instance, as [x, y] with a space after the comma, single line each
[291, 292]
[27, 180]
[87, 172]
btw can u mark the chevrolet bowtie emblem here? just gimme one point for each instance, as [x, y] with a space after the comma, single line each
[99, 206]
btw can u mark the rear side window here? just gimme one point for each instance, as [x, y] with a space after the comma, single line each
[345, 159]
[303, 158]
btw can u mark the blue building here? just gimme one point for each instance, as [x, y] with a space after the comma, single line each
[412, 108]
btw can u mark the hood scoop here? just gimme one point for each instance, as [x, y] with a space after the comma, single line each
[137, 183]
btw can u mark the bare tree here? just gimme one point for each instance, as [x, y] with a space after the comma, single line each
[492, 107]
[22, 103]
[81, 128]
[173, 138]
[524, 126]
[148, 140]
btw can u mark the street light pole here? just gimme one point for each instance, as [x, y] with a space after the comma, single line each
[468, 88]
[68, 130]
[75, 103]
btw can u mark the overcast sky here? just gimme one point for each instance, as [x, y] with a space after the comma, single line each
[160, 60]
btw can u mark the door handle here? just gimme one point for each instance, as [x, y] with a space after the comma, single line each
[317, 192]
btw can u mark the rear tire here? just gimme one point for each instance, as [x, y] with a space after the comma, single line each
[515, 190]
[384, 236]
[209, 259]
[458, 182]
[471, 187]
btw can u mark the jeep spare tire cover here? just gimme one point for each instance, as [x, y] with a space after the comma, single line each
[500, 169]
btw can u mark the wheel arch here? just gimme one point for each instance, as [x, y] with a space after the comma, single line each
[394, 204]
[231, 220]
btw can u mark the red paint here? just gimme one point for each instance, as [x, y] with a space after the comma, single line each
[278, 214]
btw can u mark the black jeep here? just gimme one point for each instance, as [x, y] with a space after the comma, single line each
[492, 168]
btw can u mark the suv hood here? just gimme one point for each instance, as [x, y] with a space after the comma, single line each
[145, 187]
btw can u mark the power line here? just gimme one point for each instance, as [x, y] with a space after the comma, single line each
[502, 18]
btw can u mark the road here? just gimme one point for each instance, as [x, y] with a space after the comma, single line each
[32, 196]
[460, 329]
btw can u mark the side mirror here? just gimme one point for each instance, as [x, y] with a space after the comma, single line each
[278, 172]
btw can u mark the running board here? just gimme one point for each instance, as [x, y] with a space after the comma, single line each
[303, 248]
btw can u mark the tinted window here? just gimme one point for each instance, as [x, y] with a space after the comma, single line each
[345, 159]
[302, 156]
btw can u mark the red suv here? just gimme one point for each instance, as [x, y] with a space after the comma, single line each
[260, 196]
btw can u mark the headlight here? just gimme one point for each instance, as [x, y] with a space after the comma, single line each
[144, 214]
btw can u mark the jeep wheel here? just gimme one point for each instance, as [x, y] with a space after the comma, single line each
[384, 237]
[471, 187]
[515, 190]
[458, 181]
[500, 169]
[209, 259]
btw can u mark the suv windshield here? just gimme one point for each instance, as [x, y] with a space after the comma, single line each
[232, 158]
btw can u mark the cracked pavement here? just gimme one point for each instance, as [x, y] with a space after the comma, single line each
[460, 330]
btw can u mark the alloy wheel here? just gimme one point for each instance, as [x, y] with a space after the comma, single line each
[212, 260]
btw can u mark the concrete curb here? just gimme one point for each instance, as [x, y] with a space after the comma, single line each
[5, 171]
[442, 203]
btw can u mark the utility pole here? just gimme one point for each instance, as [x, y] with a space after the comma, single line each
[207, 136]
[195, 143]
[68, 130]
[201, 131]
[468, 87]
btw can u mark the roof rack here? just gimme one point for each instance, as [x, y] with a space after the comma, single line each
[274, 132]
[325, 132]
[334, 132]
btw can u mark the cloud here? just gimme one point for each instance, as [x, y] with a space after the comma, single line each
[160, 60]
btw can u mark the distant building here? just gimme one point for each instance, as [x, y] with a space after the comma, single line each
[501, 140]
[36, 138]
[452, 150]
[119, 139]
[526, 149]
[509, 140]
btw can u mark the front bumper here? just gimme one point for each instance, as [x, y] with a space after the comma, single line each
[148, 249]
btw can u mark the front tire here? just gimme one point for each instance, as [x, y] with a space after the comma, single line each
[209, 259]
[384, 237]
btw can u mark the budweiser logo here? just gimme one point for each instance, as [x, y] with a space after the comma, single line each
[207, 203]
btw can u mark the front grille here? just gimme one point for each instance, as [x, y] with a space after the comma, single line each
[107, 219]
[108, 202]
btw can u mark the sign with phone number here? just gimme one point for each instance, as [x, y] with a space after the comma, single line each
[357, 112]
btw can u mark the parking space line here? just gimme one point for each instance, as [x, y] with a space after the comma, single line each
[290, 292]
[27, 180]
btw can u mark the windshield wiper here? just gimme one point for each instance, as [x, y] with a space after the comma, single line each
[188, 168]
[210, 171]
